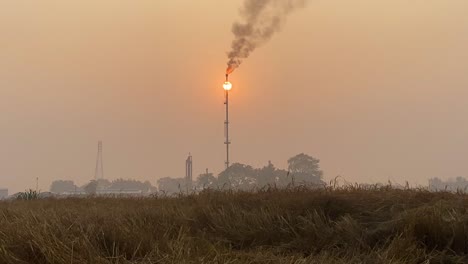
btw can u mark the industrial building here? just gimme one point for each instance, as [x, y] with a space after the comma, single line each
[3, 193]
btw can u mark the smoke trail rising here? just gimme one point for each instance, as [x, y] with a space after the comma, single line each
[262, 19]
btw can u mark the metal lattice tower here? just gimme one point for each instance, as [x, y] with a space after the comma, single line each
[227, 86]
[99, 172]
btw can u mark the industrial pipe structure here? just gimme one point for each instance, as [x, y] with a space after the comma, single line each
[227, 87]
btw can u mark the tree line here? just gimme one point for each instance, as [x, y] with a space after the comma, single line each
[92, 187]
[302, 169]
[454, 185]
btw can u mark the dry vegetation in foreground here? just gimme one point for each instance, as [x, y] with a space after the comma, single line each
[298, 225]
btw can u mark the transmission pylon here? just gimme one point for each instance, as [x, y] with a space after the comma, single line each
[99, 172]
[189, 172]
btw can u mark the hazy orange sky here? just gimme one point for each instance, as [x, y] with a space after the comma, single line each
[377, 90]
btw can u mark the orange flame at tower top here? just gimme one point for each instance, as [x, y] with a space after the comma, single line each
[230, 69]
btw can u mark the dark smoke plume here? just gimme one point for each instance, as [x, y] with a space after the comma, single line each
[262, 19]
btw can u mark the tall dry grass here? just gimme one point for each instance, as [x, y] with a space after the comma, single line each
[296, 225]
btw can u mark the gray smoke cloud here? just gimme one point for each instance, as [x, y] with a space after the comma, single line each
[261, 20]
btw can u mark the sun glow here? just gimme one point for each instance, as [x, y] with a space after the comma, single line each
[227, 86]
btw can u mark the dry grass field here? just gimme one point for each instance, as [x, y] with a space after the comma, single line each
[297, 225]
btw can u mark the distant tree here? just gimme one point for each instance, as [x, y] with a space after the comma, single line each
[103, 184]
[206, 180]
[61, 186]
[282, 178]
[171, 185]
[121, 184]
[265, 175]
[238, 176]
[150, 187]
[272, 176]
[460, 180]
[457, 184]
[305, 169]
[436, 184]
[91, 187]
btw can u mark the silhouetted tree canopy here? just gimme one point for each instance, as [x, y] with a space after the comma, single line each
[302, 169]
[103, 184]
[206, 180]
[121, 184]
[171, 185]
[238, 176]
[305, 169]
[91, 187]
[270, 175]
[61, 186]
[457, 184]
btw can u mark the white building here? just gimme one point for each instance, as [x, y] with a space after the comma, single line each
[3, 193]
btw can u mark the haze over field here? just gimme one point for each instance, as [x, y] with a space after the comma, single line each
[376, 89]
